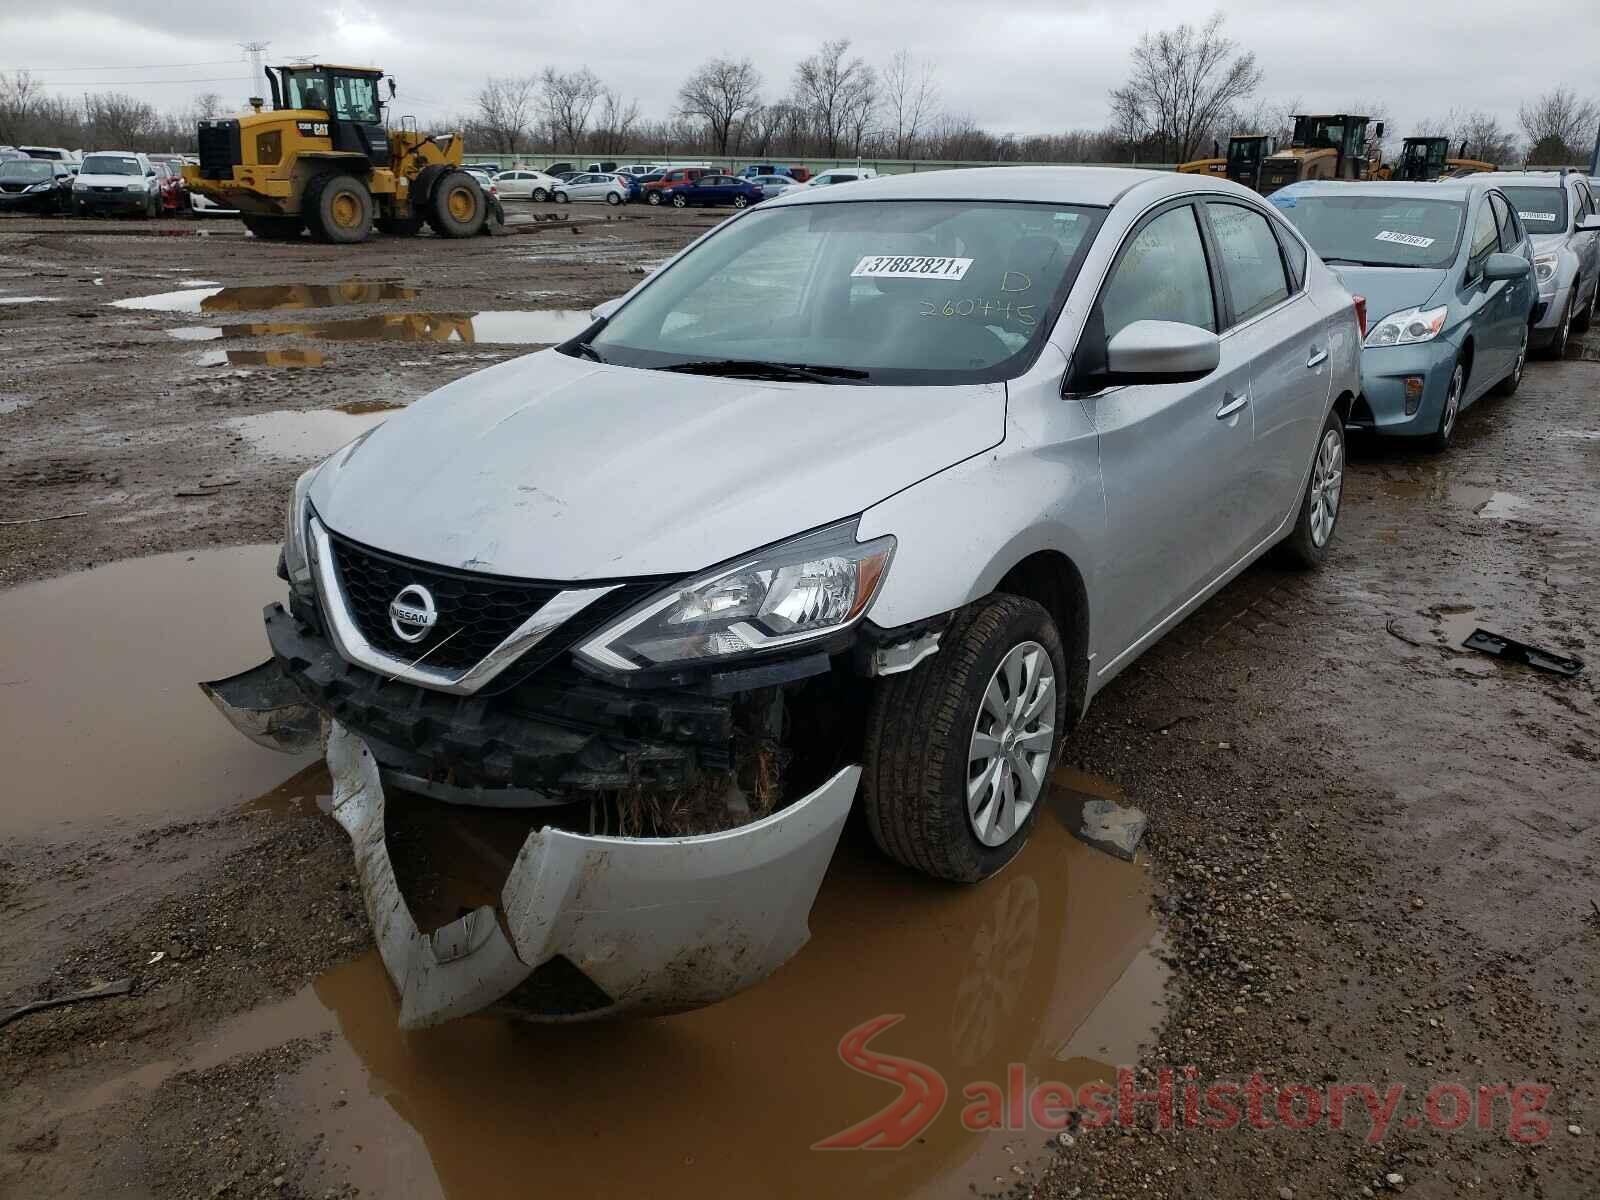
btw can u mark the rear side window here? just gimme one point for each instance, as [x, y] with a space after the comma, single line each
[1161, 276]
[1252, 263]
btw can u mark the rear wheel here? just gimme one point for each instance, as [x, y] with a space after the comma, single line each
[740, 202]
[1308, 545]
[273, 229]
[960, 749]
[680, 201]
[540, 195]
[613, 199]
[654, 198]
[459, 206]
[338, 208]
[1509, 385]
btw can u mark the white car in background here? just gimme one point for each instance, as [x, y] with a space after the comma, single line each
[841, 175]
[604, 187]
[776, 185]
[639, 169]
[525, 185]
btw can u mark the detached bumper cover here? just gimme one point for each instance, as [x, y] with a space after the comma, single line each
[639, 925]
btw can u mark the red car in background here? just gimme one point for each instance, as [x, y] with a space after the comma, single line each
[174, 192]
[676, 177]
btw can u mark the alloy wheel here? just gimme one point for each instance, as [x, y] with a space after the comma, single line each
[1327, 486]
[1452, 404]
[1522, 359]
[1013, 737]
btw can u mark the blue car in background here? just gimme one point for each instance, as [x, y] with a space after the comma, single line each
[714, 189]
[1446, 270]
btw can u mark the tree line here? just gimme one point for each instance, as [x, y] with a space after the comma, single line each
[1188, 90]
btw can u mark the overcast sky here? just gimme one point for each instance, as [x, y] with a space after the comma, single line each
[1022, 66]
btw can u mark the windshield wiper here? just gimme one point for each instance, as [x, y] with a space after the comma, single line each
[1362, 262]
[749, 368]
[587, 351]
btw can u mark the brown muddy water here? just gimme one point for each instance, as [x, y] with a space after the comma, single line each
[100, 718]
[261, 358]
[310, 434]
[1051, 965]
[269, 297]
[513, 328]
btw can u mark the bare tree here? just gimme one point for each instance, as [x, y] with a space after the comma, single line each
[764, 124]
[837, 95]
[117, 120]
[718, 93]
[1183, 81]
[616, 122]
[910, 98]
[505, 109]
[207, 106]
[568, 99]
[1559, 127]
[1476, 135]
[19, 97]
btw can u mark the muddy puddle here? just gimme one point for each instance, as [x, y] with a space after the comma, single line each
[99, 714]
[1431, 483]
[524, 328]
[1051, 965]
[261, 358]
[207, 299]
[308, 434]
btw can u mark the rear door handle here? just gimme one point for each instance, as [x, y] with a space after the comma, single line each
[1318, 357]
[1231, 405]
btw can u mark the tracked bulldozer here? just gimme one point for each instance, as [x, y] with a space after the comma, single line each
[324, 159]
[1323, 147]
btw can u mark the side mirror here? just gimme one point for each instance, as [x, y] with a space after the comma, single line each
[1505, 266]
[1588, 225]
[603, 310]
[1378, 132]
[1161, 352]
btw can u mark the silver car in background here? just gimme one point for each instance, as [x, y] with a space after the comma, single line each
[869, 490]
[608, 189]
[1562, 216]
[774, 185]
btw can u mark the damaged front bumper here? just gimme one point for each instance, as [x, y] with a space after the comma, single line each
[595, 926]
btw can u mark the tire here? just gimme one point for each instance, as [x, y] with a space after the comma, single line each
[540, 195]
[1582, 323]
[152, 208]
[1509, 385]
[613, 199]
[400, 226]
[740, 202]
[923, 726]
[338, 208]
[1558, 344]
[563, 198]
[654, 198]
[458, 206]
[273, 229]
[680, 202]
[1306, 547]
[1450, 413]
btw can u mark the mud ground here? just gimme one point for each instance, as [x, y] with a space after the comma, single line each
[1370, 859]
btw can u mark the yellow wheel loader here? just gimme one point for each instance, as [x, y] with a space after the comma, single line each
[1323, 147]
[1423, 159]
[324, 160]
[1246, 151]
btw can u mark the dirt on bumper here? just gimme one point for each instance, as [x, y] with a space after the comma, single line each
[595, 926]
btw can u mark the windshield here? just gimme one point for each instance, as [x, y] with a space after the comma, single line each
[892, 292]
[1542, 209]
[1378, 231]
[110, 164]
[1245, 149]
[26, 168]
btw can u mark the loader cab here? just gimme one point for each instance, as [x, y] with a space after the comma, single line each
[1422, 159]
[350, 98]
[1345, 135]
[1246, 152]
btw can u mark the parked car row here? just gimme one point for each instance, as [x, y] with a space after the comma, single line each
[679, 185]
[49, 179]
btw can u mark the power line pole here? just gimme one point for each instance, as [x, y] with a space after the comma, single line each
[255, 50]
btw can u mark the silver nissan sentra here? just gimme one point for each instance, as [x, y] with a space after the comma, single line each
[861, 498]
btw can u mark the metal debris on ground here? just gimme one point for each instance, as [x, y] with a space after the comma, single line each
[1500, 646]
[120, 987]
[1114, 828]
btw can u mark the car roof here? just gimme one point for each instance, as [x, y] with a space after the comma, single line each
[1098, 186]
[1526, 178]
[1443, 189]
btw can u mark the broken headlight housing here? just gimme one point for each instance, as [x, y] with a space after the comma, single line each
[796, 592]
[296, 561]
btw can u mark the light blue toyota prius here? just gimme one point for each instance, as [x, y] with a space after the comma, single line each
[1446, 270]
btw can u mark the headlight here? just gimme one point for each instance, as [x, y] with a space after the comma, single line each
[136, 187]
[296, 563]
[79, 186]
[1544, 268]
[37, 187]
[1408, 326]
[805, 589]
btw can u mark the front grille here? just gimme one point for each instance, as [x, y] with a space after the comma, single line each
[12, 187]
[218, 145]
[476, 612]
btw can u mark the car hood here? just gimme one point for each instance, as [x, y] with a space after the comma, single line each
[109, 180]
[552, 467]
[1391, 289]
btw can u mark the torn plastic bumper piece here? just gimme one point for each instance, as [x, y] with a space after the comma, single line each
[264, 704]
[652, 925]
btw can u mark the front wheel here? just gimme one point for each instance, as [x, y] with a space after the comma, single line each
[1441, 438]
[654, 198]
[959, 750]
[563, 198]
[1558, 344]
[459, 207]
[740, 202]
[1307, 546]
[1583, 322]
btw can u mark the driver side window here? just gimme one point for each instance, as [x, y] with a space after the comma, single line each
[1485, 235]
[1161, 276]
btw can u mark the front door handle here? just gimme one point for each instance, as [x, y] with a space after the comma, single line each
[1230, 405]
[1318, 357]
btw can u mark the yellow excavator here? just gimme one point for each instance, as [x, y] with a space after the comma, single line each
[325, 160]
[1323, 147]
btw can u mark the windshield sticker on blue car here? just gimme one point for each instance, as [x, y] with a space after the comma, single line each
[1527, 216]
[891, 266]
[1405, 239]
